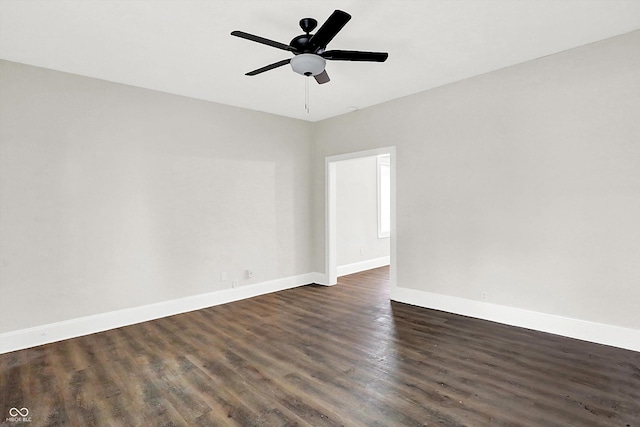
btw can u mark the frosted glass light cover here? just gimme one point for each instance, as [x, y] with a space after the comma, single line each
[308, 64]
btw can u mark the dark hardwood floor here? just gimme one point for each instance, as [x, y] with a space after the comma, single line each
[322, 356]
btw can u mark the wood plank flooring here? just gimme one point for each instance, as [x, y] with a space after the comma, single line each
[322, 356]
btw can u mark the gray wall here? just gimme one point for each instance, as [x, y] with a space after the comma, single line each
[357, 212]
[523, 183]
[114, 197]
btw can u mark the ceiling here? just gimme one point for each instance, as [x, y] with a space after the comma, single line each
[184, 46]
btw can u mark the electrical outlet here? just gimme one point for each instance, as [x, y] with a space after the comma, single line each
[249, 273]
[483, 296]
[234, 283]
[223, 276]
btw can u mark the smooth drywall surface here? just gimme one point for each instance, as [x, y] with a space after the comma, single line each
[522, 184]
[114, 197]
[357, 212]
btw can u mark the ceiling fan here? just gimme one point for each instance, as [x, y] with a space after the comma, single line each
[309, 49]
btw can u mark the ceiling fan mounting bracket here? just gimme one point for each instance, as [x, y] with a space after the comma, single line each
[308, 24]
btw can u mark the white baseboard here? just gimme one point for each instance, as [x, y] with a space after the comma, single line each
[368, 264]
[600, 333]
[31, 337]
[574, 328]
[318, 278]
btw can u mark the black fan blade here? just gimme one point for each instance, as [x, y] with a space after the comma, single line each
[262, 40]
[354, 55]
[268, 67]
[323, 77]
[329, 29]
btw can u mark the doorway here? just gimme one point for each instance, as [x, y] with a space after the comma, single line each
[331, 236]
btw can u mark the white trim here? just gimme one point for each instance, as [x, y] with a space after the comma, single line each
[600, 333]
[44, 334]
[359, 266]
[382, 160]
[320, 279]
[331, 251]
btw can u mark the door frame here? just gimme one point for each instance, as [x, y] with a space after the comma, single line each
[331, 256]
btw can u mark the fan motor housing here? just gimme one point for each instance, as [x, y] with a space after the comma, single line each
[301, 43]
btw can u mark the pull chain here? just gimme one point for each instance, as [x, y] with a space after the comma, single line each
[306, 94]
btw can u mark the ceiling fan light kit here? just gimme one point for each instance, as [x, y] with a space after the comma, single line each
[308, 64]
[310, 49]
